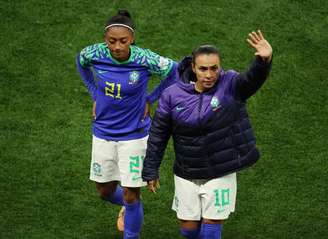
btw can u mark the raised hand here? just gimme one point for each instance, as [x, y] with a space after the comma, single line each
[261, 45]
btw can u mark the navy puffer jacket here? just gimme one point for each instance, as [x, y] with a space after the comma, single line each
[211, 131]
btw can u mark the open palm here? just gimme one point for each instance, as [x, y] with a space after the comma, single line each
[260, 44]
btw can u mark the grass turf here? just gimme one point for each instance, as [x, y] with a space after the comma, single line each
[45, 138]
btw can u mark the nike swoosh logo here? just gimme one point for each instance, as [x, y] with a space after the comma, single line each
[219, 211]
[179, 108]
[101, 71]
[134, 178]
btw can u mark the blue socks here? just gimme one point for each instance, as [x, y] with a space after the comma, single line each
[133, 219]
[117, 196]
[189, 234]
[210, 231]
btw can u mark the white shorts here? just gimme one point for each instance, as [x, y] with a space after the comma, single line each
[210, 199]
[118, 161]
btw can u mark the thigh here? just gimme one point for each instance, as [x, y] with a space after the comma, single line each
[131, 154]
[104, 167]
[186, 200]
[218, 197]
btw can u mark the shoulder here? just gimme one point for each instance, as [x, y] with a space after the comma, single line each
[93, 52]
[172, 89]
[96, 50]
[151, 59]
[229, 74]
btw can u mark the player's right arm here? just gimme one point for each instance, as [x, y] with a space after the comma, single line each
[83, 63]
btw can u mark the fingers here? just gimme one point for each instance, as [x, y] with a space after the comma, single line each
[153, 185]
[260, 34]
[251, 43]
[255, 37]
[151, 188]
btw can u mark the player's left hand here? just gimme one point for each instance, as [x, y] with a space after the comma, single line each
[153, 185]
[94, 110]
[147, 110]
[261, 45]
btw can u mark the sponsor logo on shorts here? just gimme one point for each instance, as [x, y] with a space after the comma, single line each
[96, 169]
[176, 202]
[135, 178]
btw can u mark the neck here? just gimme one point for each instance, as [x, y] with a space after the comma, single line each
[198, 88]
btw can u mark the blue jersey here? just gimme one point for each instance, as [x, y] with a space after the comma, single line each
[120, 89]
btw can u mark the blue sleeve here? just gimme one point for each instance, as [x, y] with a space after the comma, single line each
[87, 77]
[166, 82]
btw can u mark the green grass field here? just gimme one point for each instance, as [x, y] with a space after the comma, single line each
[45, 138]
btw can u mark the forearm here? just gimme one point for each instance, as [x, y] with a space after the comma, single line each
[166, 82]
[251, 80]
[157, 142]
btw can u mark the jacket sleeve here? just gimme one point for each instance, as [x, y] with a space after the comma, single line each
[159, 136]
[249, 82]
[87, 77]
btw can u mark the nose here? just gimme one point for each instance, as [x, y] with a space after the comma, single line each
[117, 46]
[208, 74]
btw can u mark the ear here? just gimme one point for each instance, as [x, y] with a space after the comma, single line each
[105, 34]
[193, 67]
[132, 39]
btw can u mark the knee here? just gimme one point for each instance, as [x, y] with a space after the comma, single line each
[104, 193]
[105, 190]
[189, 233]
[131, 195]
[189, 229]
[210, 221]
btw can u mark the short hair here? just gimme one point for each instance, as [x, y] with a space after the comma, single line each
[204, 50]
[122, 17]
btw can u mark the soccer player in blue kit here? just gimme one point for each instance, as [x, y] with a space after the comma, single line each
[121, 106]
[205, 112]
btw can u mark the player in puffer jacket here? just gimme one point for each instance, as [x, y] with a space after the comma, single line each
[205, 112]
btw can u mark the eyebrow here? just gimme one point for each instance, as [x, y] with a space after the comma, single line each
[208, 67]
[118, 38]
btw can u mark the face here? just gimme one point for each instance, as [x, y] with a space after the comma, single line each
[206, 68]
[118, 40]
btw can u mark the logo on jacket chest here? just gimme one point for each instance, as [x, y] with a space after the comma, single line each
[215, 103]
[179, 108]
[134, 78]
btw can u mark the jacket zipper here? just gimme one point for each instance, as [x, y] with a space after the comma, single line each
[200, 110]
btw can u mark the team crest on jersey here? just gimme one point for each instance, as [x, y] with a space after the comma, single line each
[134, 78]
[215, 103]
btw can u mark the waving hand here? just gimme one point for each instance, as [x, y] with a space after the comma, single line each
[261, 45]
